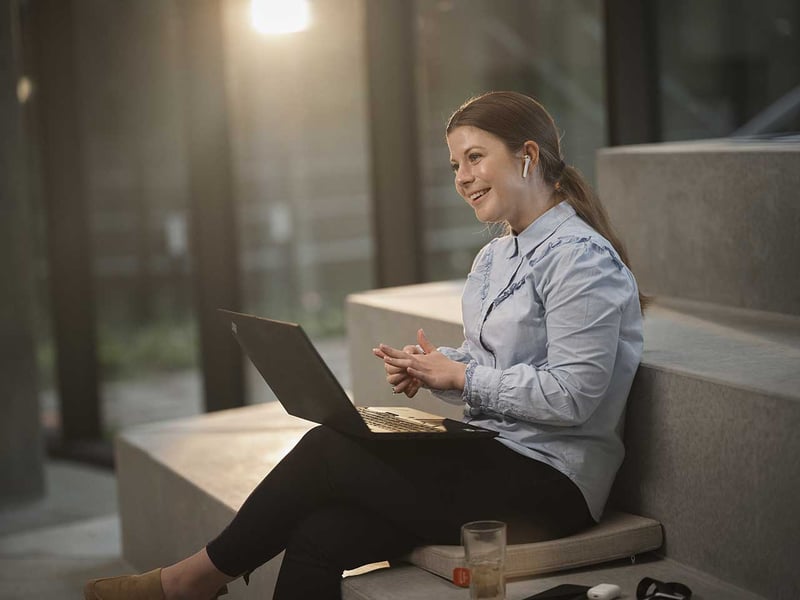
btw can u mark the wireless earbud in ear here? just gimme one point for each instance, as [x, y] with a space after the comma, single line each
[527, 165]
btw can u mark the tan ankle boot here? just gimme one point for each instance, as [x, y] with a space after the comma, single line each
[127, 587]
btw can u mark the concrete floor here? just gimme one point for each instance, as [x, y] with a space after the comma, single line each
[49, 548]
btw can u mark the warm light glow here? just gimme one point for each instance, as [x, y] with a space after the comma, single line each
[280, 16]
[24, 89]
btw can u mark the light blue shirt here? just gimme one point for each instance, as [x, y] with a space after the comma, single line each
[553, 338]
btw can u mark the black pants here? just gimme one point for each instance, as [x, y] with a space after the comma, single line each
[337, 502]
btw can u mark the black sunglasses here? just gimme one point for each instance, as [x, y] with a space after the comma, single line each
[653, 589]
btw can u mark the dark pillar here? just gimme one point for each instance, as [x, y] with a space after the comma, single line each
[64, 194]
[21, 442]
[214, 246]
[396, 180]
[632, 97]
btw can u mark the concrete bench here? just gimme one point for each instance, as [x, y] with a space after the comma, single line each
[181, 481]
[711, 428]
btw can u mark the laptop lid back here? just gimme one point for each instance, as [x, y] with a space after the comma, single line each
[289, 363]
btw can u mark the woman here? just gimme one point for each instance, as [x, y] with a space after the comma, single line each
[553, 337]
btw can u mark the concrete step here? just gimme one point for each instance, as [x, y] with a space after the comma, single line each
[410, 583]
[719, 468]
[716, 221]
[393, 316]
[181, 481]
[711, 431]
[748, 349]
[711, 442]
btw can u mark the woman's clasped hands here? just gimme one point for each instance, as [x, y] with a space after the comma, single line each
[418, 366]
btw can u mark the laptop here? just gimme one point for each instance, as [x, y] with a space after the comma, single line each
[306, 387]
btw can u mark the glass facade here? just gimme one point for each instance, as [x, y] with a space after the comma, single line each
[551, 51]
[299, 129]
[133, 149]
[299, 136]
[298, 133]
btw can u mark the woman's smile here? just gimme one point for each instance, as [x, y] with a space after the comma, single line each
[476, 197]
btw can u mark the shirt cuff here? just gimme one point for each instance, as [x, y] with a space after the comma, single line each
[453, 354]
[481, 385]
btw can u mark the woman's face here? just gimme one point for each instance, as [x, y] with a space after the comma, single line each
[489, 177]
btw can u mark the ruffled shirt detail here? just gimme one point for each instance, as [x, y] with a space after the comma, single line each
[553, 338]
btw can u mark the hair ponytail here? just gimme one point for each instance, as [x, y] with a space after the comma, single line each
[580, 195]
[516, 118]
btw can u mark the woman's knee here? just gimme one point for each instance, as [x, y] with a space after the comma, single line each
[321, 438]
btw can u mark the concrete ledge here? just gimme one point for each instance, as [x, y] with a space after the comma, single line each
[748, 349]
[393, 316]
[713, 221]
[719, 466]
[711, 434]
[410, 583]
[180, 482]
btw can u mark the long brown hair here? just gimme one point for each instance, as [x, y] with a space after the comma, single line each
[516, 118]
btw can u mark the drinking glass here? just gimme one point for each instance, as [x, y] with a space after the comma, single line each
[485, 552]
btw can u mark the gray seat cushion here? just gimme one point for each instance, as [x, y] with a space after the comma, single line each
[618, 535]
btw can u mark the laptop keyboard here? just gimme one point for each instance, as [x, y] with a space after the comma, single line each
[392, 423]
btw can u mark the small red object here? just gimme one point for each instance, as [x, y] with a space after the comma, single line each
[461, 576]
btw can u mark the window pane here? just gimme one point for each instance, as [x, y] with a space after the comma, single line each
[297, 106]
[128, 55]
[552, 51]
[728, 65]
[299, 138]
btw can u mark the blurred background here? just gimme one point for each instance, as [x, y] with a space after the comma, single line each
[163, 158]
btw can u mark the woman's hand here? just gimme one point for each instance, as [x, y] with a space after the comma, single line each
[397, 377]
[430, 367]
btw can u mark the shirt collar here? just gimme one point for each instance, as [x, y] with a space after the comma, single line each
[538, 231]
